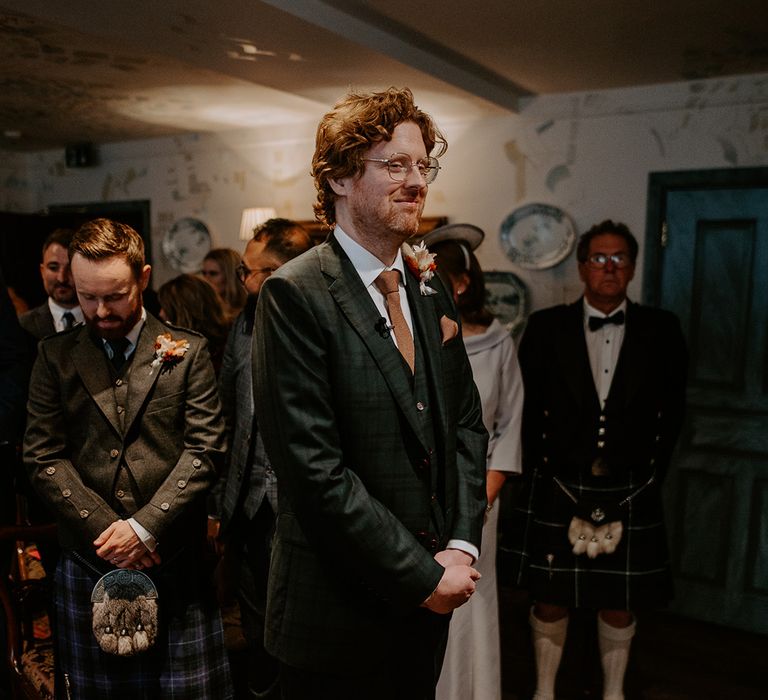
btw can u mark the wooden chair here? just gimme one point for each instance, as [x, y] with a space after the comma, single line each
[24, 596]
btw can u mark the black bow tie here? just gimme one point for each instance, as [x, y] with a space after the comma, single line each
[597, 322]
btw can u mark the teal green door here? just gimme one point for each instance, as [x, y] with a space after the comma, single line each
[711, 269]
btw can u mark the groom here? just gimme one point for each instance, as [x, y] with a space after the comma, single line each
[372, 423]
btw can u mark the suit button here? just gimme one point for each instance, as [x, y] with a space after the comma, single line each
[114, 453]
[120, 409]
[543, 436]
[602, 418]
[66, 493]
[600, 444]
[118, 382]
[545, 459]
[419, 406]
[601, 431]
[119, 493]
[652, 462]
[164, 506]
[196, 463]
[659, 414]
[546, 413]
[50, 471]
[181, 483]
[658, 438]
[433, 498]
[84, 513]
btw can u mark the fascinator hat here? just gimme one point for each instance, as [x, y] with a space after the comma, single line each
[464, 233]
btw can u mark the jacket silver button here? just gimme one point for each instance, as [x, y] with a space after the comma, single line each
[164, 506]
[84, 513]
[120, 409]
[120, 493]
[66, 493]
[181, 483]
[419, 406]
[118, 382]
[600, 444]
[50, 471]
[196, 463]
[114, 453]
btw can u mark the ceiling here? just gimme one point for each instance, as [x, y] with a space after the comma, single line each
[76, 71]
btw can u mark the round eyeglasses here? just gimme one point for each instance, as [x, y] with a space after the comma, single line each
[400, 165]
[599, 260]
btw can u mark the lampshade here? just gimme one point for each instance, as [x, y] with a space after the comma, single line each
[253, 217]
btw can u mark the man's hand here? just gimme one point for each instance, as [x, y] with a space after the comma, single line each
[453, 557]
[455, 588]
[121, 546]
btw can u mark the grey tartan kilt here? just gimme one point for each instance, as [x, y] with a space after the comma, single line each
[187, 662]
[637, 575]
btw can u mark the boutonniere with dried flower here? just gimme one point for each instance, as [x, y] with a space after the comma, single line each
[169, 352]
[422, 264]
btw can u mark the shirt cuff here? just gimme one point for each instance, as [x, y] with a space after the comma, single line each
[464, 546]
[143, 534]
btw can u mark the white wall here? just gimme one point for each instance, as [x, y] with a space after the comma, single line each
[588, 153]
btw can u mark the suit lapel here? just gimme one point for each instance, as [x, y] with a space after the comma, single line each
[574, 357]
[142, 375]
[630, 355]
[425, 324]
[355, 303]
[90, 361]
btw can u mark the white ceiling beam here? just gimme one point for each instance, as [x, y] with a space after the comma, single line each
[357, 23]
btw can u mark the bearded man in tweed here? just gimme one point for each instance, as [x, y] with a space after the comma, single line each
[124, 439]
[604, 398]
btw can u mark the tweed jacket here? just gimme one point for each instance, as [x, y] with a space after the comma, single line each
[236, 391]
[366, 495]
[38, 321]
[167, 440]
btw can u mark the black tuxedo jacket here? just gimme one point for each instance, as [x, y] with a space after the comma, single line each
[564, 427]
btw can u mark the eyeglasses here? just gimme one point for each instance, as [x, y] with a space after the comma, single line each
[599, 260]
[244, 272]
[400, 165]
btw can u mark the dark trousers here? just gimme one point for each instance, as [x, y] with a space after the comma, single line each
[411, 673]
[251, 542]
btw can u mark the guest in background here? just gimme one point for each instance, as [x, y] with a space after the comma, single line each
[190, 302]
[220, 271]
[61, 310]
[604, 402]
[473, 660]
[247, 493]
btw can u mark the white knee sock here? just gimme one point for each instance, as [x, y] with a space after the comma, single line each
[614, 643]
[548, 640]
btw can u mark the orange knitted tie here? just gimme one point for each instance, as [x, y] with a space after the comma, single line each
[388, 283]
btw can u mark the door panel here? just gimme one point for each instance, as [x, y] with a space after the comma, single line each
[713, 274]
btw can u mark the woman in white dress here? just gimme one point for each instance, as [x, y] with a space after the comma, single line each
[472, 666]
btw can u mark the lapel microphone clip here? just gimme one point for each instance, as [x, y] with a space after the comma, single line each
[382, 327]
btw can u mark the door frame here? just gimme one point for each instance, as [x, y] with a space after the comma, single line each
[659, 184]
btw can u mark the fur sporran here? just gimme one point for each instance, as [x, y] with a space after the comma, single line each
[125, 612]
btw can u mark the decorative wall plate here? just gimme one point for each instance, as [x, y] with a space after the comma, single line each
[507, 299]
[185, 244]
[537, 236]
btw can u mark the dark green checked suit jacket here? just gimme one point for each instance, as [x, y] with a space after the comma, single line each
[360, 482]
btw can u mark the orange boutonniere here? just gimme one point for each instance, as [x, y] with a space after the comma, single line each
[422, 264]
[169, 352]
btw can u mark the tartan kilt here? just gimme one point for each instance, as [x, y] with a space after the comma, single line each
[187, 662]
[636, 576]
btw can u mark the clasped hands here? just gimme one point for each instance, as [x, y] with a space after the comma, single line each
[457, 584]
[120, 546]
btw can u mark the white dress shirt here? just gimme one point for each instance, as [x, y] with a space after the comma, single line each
[57, 312]
[603, 346]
